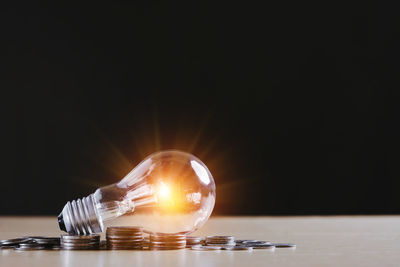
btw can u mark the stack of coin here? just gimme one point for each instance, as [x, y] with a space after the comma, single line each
[167, 241]
[77, 242]
[13, 243]
[124, 237]
[193, 241]
[31, 243]
[220, 240]
[47, 242]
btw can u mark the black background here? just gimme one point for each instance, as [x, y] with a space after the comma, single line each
[293, 106]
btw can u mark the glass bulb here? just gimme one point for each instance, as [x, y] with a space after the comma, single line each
[168, 192]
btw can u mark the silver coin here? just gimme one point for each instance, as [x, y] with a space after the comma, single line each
[264, 246]
[220, 245]
[14, 241]
[258, 242]
[29, 245]
[204, 248]
[29, 242]
[45, 240]
[245, 240]
[238, 248]
[284, 245]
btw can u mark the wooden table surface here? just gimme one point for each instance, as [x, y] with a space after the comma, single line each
[321, 241]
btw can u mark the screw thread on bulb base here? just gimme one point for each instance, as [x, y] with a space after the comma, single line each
[79, 217]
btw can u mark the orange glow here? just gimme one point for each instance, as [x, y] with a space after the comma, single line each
[168, 199]
[163, 192]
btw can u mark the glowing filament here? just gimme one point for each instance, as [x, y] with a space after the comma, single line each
[164, 191]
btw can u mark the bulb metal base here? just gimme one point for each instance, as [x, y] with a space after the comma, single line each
[79, 217]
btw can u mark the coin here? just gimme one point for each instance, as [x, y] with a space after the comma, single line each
[284, 245]
[167, 241]
[170, 238]
[124, 228]
[158, 243]
[90, 244]
[193, 240]
[216, 237]
[124, 237]
[256, 242]
[80, 237]
[262, 246]
[14, 241]
[29, 245]
[118, 237]
[45, 240]
[245, 240]
[220, 244]
[238, 248]
[220, 240]
[79, 242]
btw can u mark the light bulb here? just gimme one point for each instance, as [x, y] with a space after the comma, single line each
[168, 192]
